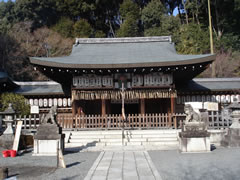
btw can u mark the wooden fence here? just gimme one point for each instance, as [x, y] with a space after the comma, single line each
[29, 122]
[133, 121]
[68, 121]
[217, 121]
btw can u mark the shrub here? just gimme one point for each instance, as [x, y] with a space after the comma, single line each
[18, 103]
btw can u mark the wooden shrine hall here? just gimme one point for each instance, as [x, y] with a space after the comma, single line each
[144, 71]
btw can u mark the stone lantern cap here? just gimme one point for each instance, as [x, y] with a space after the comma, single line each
[8, 111]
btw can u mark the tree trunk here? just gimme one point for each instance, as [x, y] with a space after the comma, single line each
[186, 15]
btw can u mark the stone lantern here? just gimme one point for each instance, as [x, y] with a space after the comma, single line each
[8, 136]
[232, 138]
[9, 113]
[234, 114]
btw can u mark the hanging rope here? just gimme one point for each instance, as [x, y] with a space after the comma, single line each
[129, 94]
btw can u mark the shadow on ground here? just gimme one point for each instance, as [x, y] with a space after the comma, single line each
[79, 148]
[25, 172]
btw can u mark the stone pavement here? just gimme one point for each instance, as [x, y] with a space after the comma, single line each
[123, 165]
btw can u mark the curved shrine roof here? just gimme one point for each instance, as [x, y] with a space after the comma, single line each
[122, 53]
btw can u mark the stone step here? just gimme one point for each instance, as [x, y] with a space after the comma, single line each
[131, 132]
[96, 136]
[160, 131]
[84, 140]
[162, 139]
[102, 144]
[151, 136]
[92, 136]
[113, 138]
[162, 143]
[75, 140]
[97, 132]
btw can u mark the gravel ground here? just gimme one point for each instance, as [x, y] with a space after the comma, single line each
[220, 164]
[27, 166]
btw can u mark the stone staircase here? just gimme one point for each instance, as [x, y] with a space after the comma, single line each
[112, 139]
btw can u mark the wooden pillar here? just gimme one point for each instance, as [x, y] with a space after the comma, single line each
[172, 104]
[173, 111]
[142, 106]
[103, 107]
[74, 108]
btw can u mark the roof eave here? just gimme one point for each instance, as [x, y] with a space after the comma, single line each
[37, 61]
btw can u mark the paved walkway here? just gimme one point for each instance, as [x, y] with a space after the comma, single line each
[125, 165]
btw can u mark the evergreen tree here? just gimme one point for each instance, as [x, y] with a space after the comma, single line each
[82, 29]
[129, 12]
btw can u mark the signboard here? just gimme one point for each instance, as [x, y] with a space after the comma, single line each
[34, 109]
[211, 106]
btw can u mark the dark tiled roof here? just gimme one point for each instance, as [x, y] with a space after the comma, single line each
[6, 82]
[122, 53]
[39, 88]
[198, 84]
[212, 84]
[3, 75]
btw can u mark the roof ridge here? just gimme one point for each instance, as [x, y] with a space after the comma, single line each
[123, 40]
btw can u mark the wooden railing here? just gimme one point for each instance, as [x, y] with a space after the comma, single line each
[133, 121]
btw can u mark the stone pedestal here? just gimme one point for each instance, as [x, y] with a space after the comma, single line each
[48, 139]
[6, 141]
[194, 141]
[232, 139]
[200, 144]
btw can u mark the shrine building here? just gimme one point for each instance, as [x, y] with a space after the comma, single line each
[147, 69]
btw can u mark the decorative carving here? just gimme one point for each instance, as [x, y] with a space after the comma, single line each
[50, 116]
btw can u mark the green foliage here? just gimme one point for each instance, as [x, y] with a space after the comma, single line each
[129, 12]
[82, 29]
[99, 34]
[7, 16]
[18, 103]
[192, 39]
[64, 27]
[169, 26]
[128, 29]
[39, 12]
[129, 9]
[152, 14]
[76, 8]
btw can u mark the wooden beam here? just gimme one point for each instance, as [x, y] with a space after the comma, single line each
[103, 107]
